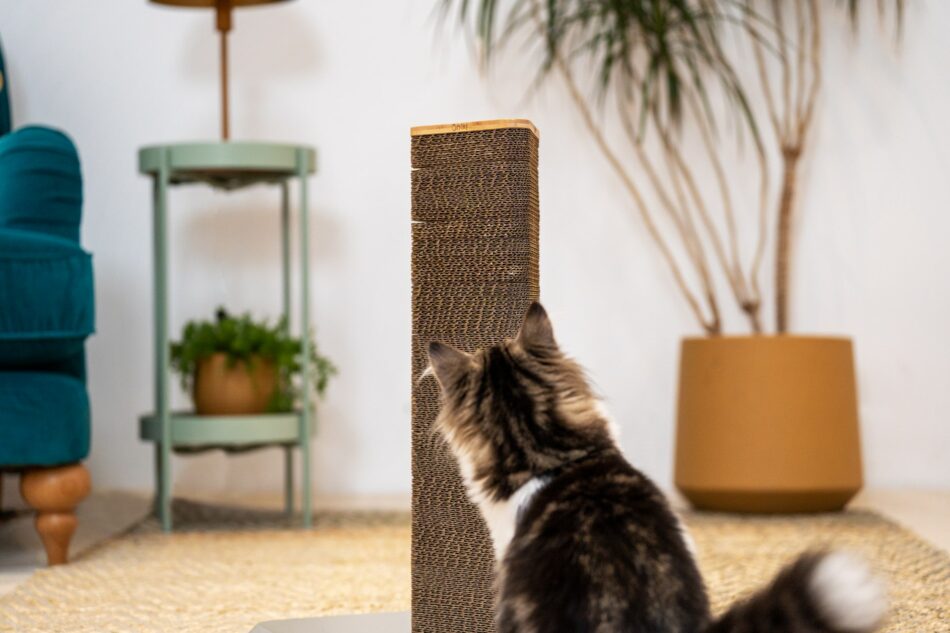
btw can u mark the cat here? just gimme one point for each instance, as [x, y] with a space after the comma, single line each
[583, 541]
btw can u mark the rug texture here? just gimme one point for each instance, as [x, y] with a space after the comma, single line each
[226, 570]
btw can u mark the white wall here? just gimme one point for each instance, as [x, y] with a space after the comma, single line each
[350, 78]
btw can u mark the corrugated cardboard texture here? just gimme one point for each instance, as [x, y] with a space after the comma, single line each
[474, 273]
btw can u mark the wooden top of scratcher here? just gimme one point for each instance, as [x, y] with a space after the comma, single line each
[228, 569]
[474, 126]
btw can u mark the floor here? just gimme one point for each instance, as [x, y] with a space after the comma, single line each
[103, 515]
[109, 513]
[925, 512]
[106, 514]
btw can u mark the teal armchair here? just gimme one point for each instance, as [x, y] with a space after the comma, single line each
[46, 313]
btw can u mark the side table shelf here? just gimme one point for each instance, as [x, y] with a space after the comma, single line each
[229, 166]
[193, 432]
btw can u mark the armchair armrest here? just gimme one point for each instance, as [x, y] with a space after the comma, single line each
[40, 183]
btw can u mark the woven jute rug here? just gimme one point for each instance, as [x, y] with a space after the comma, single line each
[226, 570]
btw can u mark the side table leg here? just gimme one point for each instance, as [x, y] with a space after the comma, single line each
[157, 500]
[289, 479]
[160, 248]
[285, 250]
[286, 305]
[305, 407]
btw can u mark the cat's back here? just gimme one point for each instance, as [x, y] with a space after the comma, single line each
[598, 544]
[599, 501]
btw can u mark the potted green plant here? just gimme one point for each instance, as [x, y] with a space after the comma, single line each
[234, 365]
[766, 422]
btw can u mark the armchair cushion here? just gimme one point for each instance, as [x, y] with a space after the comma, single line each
[44, 419]
[40, 182]
[46, 293]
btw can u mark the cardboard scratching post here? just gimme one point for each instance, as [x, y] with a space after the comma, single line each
[474, 273]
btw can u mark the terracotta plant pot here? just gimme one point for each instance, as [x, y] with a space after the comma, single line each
[223, 389]
[767, 424]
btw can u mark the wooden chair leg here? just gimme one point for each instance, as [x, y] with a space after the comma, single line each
[54, 493]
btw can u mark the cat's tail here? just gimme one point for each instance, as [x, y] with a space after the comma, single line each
[833, 592]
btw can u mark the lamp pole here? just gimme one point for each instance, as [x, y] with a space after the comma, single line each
[223, 10]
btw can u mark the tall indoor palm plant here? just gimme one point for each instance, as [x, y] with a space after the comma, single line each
[689, 69]
[662, 62]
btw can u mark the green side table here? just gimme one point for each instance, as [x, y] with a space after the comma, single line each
[229, 166]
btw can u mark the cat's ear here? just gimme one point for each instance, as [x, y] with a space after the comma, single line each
[536, 331]
[447, 363]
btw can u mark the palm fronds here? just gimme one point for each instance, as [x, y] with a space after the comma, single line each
[662, 60]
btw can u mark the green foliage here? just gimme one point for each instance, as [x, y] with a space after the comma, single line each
[882, 9]
[244, 340]
[657, 56]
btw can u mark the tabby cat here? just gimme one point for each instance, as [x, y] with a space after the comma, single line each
[585, 542]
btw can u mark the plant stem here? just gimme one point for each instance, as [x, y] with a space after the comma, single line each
[783, 246]
[713, 326]
[733, 273]
[791, 125]
[678, 212]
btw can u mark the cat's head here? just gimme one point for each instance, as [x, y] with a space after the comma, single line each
[517, 409]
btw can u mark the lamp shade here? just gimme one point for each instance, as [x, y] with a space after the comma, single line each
[207, 4]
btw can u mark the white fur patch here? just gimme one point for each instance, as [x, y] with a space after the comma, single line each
[612, 427]
[847, 593]
[502, 516]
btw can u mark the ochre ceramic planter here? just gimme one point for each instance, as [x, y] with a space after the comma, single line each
[223, 389]
[767, 424]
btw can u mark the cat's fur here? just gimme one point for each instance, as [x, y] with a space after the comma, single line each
[584, 541]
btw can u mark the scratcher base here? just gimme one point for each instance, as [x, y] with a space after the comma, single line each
[368, 623]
